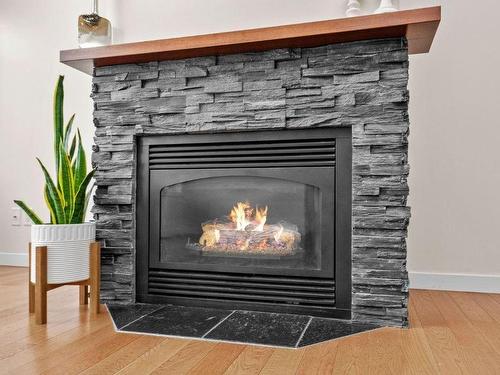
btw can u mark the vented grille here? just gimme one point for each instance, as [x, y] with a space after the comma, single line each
[264, 289]
[250, 154]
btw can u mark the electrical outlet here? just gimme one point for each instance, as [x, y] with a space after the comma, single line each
[15, 216]
[26, 219]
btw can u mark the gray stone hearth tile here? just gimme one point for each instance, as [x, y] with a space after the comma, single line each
[125, 314]
[179, 321]
[261, 328]
[320, 330]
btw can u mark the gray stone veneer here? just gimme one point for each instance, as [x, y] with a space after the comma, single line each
[361, 84]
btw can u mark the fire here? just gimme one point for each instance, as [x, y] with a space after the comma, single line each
[244, 216]
[240, 215]
[260, 218]
[278, 234]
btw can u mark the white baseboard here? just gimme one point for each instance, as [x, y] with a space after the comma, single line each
[14, 259]
[455, 282]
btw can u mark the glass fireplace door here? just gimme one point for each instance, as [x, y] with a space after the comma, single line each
[252, 220]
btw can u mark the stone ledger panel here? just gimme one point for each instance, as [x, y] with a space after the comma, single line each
[362, 85]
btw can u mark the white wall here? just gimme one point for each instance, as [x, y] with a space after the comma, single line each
[454, 132]
[31, 34]
[454, 148]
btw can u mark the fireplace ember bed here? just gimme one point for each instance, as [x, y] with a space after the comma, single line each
[257, 221]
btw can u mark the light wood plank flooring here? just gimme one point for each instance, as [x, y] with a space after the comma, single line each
[452, 333]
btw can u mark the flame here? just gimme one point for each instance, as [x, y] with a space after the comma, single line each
[277, 235]
[240, 215]
[260, 218]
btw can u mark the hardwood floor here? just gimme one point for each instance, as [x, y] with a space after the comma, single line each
[452, 333]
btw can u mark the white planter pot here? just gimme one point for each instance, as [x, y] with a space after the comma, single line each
[67, 251]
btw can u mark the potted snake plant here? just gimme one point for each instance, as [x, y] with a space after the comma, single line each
[65, 234]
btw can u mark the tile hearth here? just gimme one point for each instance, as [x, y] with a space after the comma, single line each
[239, 326]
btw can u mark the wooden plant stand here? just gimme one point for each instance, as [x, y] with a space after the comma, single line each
[38, 290]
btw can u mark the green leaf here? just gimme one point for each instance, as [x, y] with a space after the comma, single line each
[67, 131]
[72, 148]
[81, 199]
[80, 164]
[31, 214]
[87, 199]
[66, 181]
[58, 117]
[54, 196]
[50, 205]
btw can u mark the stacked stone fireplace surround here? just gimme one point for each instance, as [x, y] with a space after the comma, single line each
[361, 85]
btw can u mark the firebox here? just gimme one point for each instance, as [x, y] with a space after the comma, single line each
[248, 220]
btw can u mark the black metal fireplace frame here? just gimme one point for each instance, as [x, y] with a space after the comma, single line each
[339, 287]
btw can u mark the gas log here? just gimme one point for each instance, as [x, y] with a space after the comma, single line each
[275, 239]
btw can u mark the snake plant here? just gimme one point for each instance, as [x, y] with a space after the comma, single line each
[67, 197]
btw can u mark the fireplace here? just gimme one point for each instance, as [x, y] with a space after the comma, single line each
[261, 169]
[260, 177]
[255, 220]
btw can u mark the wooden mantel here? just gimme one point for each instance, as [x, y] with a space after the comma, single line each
[417, 25]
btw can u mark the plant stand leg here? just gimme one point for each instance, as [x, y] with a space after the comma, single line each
[95, 276]
[41, 285]
[31, 286]
[31, 289]
[84, 294]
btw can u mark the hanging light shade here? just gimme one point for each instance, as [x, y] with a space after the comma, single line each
[94, 30]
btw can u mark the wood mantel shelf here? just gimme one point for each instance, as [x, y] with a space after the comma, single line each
[417, 25]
